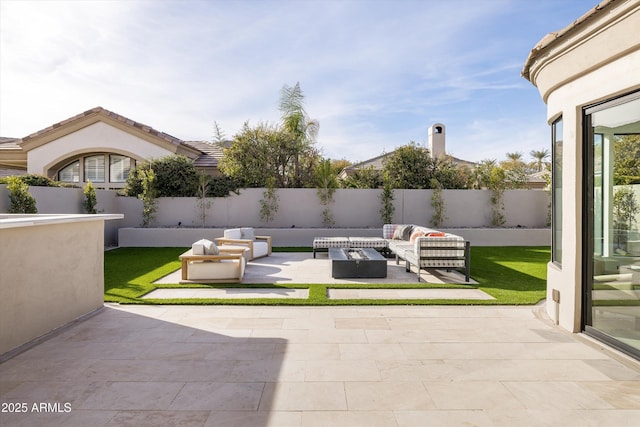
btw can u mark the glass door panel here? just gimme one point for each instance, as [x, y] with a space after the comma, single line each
[614, 222]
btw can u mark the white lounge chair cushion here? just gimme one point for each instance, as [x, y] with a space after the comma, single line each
[233, 233]
[260, 248]
[219, 270]
[198, 248]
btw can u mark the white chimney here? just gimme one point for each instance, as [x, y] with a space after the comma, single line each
[437, 140]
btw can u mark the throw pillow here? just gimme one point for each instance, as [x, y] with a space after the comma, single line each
[402, 232]
[415, 235]
[198, 247]
[210, 248]
[436, 234]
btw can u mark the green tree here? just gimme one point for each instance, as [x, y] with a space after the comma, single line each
[540, 157]
[626, 159]
[409, 167]
[175, 176]
[363, 177]
[303, 129]
[263, 152]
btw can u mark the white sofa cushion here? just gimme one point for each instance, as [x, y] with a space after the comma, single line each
[233, 233]
[260, 248]
[224, 269]
[247, 233]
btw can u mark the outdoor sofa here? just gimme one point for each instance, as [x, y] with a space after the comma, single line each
[424, 247]
[418, 246]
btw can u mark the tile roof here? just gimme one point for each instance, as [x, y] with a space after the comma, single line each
[118, 117]
[211, 153]
[552, 37]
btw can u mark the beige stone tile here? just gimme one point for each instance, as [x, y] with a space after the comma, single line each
[472, 395]
[214, 396]
[619, 418]
[310, 322]
[250, 350]
[75, 418]
[304, 396]
[348, 419]
[279, 336]
[254, 419]
[7, 386]
[543, 417]
[361, 323]
[220, 335]
[132, 396]
[525, 370]
[555, 395]
[174, 351]
[297, 351]
[70, 391]
[621, 394]
[159, 370]
[19, 369]
[341, 370]
[255, 323]
[415, 370]
[371, 352]
[614, 369]
[337, 336]
[267, 371]
[440, 418]
[159, 418]
[387, 396]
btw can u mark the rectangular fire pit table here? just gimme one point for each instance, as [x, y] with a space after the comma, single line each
[357, 263]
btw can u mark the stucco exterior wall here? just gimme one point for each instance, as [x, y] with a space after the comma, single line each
[597, 63]
[51, 274]
[98, 137]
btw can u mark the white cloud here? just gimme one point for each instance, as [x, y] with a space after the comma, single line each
[375, 74]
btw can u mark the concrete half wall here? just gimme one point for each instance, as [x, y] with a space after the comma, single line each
[51, 273]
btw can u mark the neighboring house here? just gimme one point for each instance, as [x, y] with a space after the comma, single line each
[100, 146]
[588, 74]
[436, 147]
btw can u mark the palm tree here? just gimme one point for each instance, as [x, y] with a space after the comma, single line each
[514, 157]
[296, 121]
[540, 156]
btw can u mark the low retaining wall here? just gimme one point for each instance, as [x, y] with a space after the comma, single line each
[184, 237]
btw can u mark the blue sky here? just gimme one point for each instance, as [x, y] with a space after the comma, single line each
[375, 74]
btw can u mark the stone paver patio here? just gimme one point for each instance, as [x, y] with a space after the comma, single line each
[320, 366]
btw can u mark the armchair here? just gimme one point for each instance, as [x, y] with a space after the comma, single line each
[259, 246]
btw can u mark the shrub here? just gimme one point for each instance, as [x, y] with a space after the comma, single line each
[33, 180]
[21, 200]
[90, 198]
[175, 176]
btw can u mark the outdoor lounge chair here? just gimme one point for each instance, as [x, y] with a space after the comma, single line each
[259, 246]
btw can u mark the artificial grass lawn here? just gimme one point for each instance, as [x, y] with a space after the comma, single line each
[512, 275]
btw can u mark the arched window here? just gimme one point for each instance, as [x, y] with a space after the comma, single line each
[94, 167]
[70, 173]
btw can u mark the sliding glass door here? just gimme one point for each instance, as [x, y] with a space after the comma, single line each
[611, 273]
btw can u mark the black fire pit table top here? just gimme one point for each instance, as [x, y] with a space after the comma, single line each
[357, 263]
